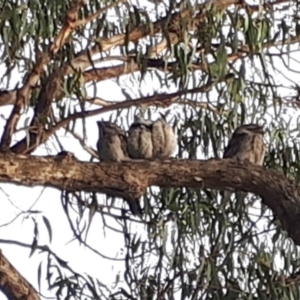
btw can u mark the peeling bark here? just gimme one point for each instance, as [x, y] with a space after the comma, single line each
[13, 284]
[130, 179]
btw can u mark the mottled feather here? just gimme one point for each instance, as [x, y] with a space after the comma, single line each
[112, 142]
[139, 140]
[112, 146]
[246, 144]
[163, 139]
[148, 139]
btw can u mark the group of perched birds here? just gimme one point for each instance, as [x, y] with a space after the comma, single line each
[148, 139]
[145, 139]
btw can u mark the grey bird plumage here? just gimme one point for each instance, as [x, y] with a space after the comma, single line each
[163, 139]
[112, 146]
[140, 139]
[112, 143]
[246, 144]
[148, 139]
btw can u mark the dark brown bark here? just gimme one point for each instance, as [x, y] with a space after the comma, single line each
[130, 179]
[13, 284]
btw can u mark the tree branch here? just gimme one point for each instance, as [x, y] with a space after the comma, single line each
[69, 25]
[13, 284]
[22, 96]
[158, 100]
[132, 178]
[82, 60]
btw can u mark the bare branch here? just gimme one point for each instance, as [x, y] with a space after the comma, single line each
[68, 26]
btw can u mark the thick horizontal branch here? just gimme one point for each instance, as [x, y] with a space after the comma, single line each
[132, 178]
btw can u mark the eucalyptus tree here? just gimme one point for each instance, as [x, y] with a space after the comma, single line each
[204, 67]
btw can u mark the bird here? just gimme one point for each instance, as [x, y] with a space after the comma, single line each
[112, 147]
[163, 139]
[139, 140]
[245, 145]
[151, 139]
[112, 142]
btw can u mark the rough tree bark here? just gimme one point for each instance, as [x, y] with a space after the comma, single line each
[132, 178]
[13, 284]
